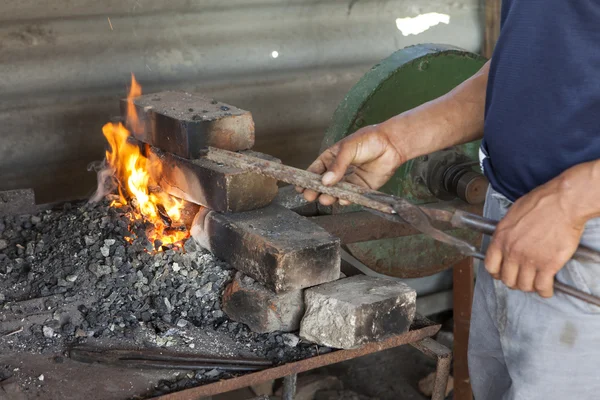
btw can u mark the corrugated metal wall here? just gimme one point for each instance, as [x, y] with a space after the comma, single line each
[64, 65]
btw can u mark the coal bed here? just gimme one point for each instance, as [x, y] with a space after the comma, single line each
[79, 274]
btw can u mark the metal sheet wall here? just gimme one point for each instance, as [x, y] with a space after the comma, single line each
[65, 63]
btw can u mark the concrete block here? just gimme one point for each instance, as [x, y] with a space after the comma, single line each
[275, 246]
[218, 187]
[357, 310]
[263, 310]
[183, 123]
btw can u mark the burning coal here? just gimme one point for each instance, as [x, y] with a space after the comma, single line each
[127, 171]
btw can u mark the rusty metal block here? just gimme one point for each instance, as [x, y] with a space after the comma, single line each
[19, 201]
[183, 123]
[263, 310]
[204, 182]
[275, 246]
[357, 310]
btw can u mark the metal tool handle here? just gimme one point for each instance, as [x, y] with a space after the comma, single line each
[488, 227]
[566, 289]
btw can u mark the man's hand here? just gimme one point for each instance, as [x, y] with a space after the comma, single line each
[371, 155]
[535, 239]
[366, 158]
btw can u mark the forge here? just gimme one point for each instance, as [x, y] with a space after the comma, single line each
[186, 277]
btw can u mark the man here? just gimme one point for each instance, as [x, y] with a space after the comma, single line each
[538, 102]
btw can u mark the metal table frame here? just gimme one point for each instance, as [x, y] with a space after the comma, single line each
[419, 336]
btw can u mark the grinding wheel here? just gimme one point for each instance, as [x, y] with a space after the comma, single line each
[406, 79]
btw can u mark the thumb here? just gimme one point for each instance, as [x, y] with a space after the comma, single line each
[339, 166]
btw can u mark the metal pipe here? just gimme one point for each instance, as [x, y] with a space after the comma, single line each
[289, 386]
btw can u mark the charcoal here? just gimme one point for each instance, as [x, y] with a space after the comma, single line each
[119, 290]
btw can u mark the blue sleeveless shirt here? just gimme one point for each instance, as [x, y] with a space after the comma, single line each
[542, 113]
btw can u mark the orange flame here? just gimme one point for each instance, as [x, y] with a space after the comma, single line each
[131, 170]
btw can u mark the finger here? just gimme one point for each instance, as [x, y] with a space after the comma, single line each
[509, 272]
[310, 195]
[327, 200]
[337, 169]
[320, 165]
[493, 260]
[344, 202]
[526, 278]
[544, 284]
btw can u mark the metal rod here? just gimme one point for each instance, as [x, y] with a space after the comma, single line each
[488, 227]
[289, 386]
[382, 204]
[295, 176]
[153, 359]
[183, 365]
[561, 287]
[570, 290]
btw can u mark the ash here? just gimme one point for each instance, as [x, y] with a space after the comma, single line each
[68, 276]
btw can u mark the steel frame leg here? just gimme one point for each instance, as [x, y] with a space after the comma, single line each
[289, 387]
[443, 355]
[463, 284]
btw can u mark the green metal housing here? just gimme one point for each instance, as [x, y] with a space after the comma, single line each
[408, 78]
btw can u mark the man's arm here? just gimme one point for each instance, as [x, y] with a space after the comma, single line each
[449, 120]
[373, 153]
[542, 230]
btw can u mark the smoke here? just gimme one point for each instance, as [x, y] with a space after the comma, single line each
[107, 182]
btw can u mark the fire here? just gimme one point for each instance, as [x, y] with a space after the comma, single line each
[136, 186]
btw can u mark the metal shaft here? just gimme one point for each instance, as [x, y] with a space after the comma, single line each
[488, 227]
[561, 287]
[389, 207]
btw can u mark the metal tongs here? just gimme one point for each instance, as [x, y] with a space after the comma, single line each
[421, 219]
[390, 207]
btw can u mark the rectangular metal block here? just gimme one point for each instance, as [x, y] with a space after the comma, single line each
[354, 311]
[263, 310]
[275, 246]
[18, 201]
[183, 123]
[204, 182]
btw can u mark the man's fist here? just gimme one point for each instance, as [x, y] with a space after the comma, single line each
[535, 239]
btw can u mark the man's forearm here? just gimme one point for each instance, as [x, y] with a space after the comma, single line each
[578, 191]
[452, 119]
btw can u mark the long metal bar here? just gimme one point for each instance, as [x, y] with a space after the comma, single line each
[295, 176]
[422, 328]
[462, 219]
[363, 226]
[388, 206]
[443, 356]
[373, 200]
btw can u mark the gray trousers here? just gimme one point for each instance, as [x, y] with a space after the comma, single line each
[522, 346]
